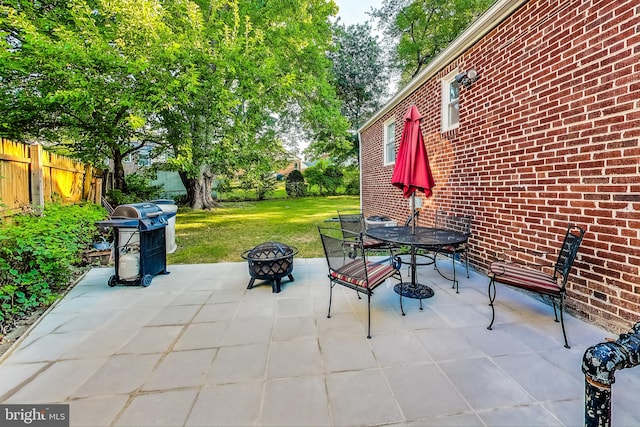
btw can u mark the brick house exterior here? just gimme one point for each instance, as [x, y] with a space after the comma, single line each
[295, 164]
[548, 134]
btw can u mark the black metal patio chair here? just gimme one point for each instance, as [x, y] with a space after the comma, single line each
[354, 225]
[349, 267]
[461, 223]
[533, 277]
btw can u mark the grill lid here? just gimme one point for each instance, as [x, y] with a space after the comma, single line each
[137, 210]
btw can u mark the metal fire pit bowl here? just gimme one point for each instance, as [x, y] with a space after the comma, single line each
[270, 261]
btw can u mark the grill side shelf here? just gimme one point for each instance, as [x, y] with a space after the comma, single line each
[118, 223]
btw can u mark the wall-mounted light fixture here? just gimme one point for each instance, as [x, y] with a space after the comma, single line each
[467, 78]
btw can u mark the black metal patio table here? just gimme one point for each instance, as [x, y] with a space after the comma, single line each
[416, 237]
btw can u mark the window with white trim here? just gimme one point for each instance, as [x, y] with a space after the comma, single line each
[450, 112]
[389, 142]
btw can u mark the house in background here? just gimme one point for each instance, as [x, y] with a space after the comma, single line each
[296, 163]
[546, 133]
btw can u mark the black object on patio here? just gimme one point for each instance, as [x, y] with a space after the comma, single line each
[349, 267]
[139, 243]
[599, 365]
[270, 261]
[534, 279]
[353, 227]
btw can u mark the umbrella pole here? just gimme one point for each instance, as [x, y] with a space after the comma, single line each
[413, 209]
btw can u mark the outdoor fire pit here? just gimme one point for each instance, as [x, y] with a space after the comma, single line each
[270, 261]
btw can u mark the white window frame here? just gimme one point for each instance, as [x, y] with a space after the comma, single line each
[389, 139]
[449, 121]
[144, 159]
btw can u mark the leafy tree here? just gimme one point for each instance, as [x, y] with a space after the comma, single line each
[359, 71]
[262, 182]
[87, 76]
[213, 83]
[359, 77]
[351, 179]
[266, 73]
[299, 73]
[199, 127]
[326, 175]
[423, 28]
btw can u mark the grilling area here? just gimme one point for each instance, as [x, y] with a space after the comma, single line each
[199, 348]
[140, 242]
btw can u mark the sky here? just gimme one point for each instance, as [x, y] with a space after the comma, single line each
[353, 11]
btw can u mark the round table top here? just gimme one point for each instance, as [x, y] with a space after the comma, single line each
[422, 236]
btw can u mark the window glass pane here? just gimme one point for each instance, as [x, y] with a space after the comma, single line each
[450, 111]
[391, 132]
[454, 91]
[391, 153]
[454, 113]
[390, 143]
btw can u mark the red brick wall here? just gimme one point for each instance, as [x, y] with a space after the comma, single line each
[549, 134]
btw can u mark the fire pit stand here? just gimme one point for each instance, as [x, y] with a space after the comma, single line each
[270, 261]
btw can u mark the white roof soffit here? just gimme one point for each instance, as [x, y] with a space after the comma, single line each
[498, 12]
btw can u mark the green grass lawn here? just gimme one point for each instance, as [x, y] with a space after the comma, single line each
[224, 233]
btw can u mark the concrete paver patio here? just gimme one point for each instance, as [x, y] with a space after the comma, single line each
[197, 348]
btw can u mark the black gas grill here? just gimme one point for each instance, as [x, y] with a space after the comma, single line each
[139, 243]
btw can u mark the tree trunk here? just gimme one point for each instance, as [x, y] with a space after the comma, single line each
[199, 191]
[118, 172]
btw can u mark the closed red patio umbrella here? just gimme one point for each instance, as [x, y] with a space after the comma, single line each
[412, 171]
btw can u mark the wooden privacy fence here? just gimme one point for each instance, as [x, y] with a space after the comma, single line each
[31, 175]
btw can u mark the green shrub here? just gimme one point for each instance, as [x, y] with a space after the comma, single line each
[295, 185]
[139, 189]
[261, 183]
[351, 180]
[38, 253]
[326, 176]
